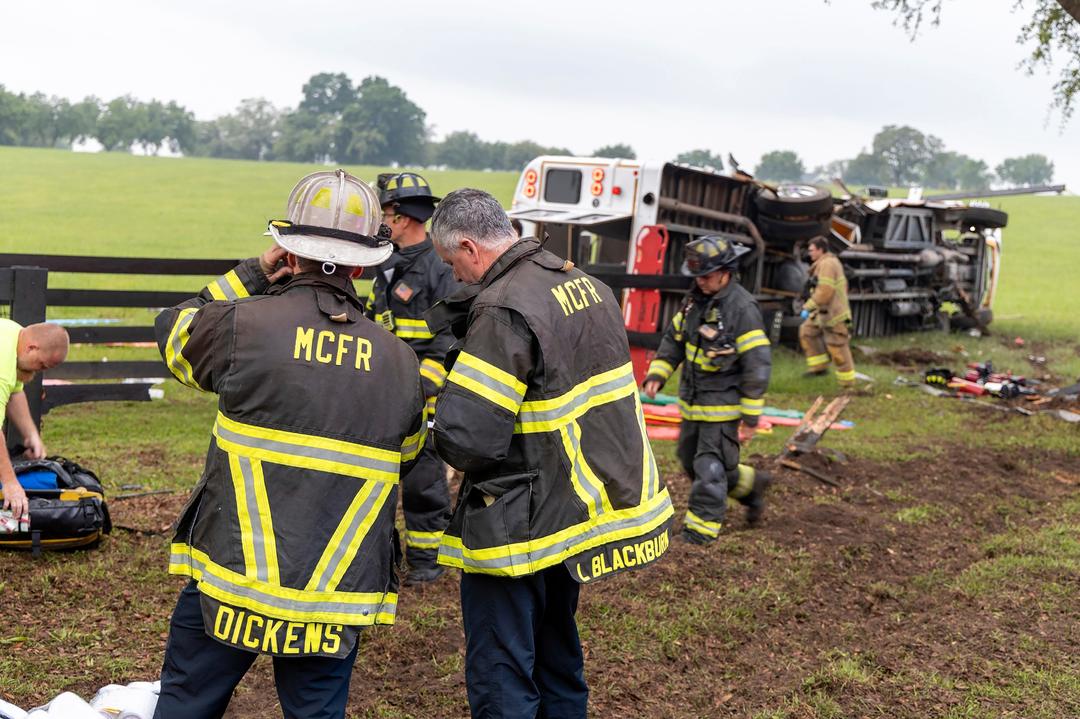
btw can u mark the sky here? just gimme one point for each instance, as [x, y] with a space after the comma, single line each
[732, 76]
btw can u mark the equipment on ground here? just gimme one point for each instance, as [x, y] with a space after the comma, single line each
[69, 513]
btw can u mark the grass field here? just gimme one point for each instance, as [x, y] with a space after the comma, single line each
[939, 580]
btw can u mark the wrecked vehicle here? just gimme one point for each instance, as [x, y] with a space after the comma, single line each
[911, 264]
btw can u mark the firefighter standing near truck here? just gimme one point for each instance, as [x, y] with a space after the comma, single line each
[825, 332]
[288, 538]
[406, 286]
[541, 412]
[719, 339]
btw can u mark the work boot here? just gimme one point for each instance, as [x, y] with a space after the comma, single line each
[756, 506]
[691, 537]
[422, 574]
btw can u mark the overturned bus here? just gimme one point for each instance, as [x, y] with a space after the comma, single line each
[911, 264]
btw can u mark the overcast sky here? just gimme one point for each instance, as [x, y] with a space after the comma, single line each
[731, 76]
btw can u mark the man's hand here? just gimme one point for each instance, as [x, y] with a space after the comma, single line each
[268, 263]
[746, 433]
[15, 500]
[35, 448]
[651, 387]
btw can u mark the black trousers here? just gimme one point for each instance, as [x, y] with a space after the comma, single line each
[709, 453]
[200, 673]
[425, 499]
[523, 656]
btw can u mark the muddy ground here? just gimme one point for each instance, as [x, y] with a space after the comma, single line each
[862, 600]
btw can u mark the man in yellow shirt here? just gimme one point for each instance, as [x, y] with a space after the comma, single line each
[24, 351]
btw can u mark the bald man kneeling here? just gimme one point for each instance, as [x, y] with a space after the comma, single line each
[24, 351]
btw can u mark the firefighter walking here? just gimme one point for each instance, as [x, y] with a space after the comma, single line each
[719, 339]
[288, 538]
[406, 286]
[541, 412]
[824, 333]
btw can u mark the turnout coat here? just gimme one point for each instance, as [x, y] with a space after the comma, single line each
[541, 412]
[290, 531]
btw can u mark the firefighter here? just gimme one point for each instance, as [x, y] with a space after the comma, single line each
[719, 339]
[405, 286]
[825, 331]
[541, 412]
[288, 539]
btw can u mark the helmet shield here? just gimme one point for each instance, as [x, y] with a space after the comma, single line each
[711, 253]
[333, 217]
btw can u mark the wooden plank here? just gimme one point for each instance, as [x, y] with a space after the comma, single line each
[116, 298]
[109, 370]
[99, 335]
[120, 265]
[62, 394]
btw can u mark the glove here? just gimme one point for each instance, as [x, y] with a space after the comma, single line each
[804, 314]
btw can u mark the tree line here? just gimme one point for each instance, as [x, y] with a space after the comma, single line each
[374, 122]
[901, 156]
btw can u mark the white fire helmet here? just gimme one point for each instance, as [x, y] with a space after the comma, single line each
[334, 218]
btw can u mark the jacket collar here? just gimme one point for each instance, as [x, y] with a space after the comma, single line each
[513, 254]
[334, 283]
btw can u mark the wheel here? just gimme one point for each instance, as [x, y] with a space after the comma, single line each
[793, 230]
[794, 201]
[984, 217]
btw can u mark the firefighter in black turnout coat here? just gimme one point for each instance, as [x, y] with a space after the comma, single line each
[289, 538]
[541, 411]
[405, 287]
[719, 339]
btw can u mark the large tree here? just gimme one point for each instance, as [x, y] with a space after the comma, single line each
[1052, 31]
[381, 126]
[701, 158]
[779, 166]
[1027, 170]
[906, 152]
[620, 149]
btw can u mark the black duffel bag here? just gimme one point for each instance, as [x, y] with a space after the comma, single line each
[70, 516]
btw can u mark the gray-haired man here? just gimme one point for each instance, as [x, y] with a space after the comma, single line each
[541, 412]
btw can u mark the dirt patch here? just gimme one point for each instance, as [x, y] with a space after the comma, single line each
[861, 578]
[909, 359]
[148, 514]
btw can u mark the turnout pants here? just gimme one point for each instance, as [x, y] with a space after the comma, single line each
[200, 673]
[822, 343]
[523, 657]
[425, 499]
[709, 453]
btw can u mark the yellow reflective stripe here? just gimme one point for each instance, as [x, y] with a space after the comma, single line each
[422, 540]
[174, 348]
[588, 487]
[660, 368]
[433, 372]
[488, 381]
[677, 321]
[745, 485]
[752, 407]
[215, 291]
[429, 407]
[247, 542]
[225, 585]
[699, 358]
[228, 287]
[307, 451]
[412, 329]
[845, 375]
[273, 572]
[548, 415]
[651, 484]
[750, 340]
[817, 360]
[237, 286]
[524, 558]
[412, 445]
[701, 526]
[367, 511]
[709, 412]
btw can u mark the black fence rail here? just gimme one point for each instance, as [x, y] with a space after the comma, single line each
[24, 286]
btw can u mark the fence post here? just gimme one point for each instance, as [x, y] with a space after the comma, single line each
[28, 307]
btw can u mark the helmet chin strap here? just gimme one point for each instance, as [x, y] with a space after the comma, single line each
[329, 268]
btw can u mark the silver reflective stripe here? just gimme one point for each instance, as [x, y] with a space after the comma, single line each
[262, 562]
[300, 450]
[489, 382]
[375, 497]
[524, 558]
[225, 288]
[550, 415]
[314, 606]
[572, 431]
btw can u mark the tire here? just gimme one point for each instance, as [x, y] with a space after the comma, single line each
[794, 201]
[793, 230]
[984, 217]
